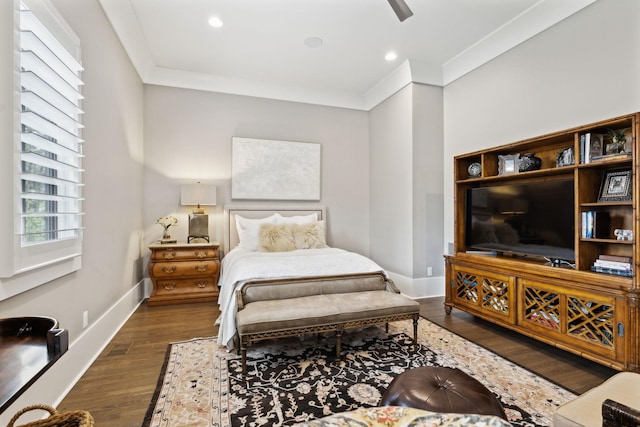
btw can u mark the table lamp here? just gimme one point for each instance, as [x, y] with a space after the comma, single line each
[198, 195]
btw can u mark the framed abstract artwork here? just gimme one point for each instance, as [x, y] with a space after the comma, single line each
[266, 169]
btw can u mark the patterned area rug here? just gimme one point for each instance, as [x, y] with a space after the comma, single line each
[295, 380]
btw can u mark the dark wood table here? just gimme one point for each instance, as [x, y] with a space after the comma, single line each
[28, 347]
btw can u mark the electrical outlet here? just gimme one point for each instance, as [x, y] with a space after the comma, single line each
[429, 271]
[85, 319]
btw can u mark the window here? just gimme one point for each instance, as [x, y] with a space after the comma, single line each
[47, 196]
[51, 147]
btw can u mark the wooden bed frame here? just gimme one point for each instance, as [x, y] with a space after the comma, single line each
[231, 239]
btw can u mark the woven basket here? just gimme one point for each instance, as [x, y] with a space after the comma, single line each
[56, 419]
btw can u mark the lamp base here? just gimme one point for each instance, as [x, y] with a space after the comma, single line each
[198, 227]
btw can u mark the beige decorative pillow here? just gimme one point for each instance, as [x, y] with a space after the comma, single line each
[308, 236]
[276, 238]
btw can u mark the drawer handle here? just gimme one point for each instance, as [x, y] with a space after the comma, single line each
[169, 255]
[169, 287]
[201, 268]
[202, 285]
[201, 254]
[169, 270]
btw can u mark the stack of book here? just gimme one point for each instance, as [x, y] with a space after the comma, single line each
[595, 225]
[613, 264]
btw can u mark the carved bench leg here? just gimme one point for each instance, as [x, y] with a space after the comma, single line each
[339, 332]
[416, 317]
[243, 351]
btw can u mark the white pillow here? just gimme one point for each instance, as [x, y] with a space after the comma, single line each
[300, 219]
[249, 230]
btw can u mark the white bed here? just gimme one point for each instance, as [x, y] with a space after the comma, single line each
[243, 263]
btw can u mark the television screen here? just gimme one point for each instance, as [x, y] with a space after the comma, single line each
[527, 219]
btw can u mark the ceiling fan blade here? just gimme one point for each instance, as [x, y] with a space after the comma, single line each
[401, 9]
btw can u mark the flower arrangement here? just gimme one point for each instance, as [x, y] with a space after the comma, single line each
[166, 222]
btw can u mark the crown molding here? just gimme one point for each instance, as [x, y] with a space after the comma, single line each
[541, 16]
[533, 21]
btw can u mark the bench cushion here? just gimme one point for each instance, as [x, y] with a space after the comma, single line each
[277, 315]
[372, 304]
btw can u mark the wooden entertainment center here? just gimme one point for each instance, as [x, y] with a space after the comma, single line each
[565, 304]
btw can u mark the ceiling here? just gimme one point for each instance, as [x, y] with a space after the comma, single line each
[260, 50]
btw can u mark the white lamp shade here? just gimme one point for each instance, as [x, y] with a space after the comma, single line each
[198, 194]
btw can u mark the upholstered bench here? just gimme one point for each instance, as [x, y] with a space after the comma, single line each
[441, 389]
[586, 409]
[289, 307]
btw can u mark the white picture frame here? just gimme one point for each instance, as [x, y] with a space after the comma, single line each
[266, 169]
[508, 164]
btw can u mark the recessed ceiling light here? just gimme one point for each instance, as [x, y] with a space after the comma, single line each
[313, 42]
[391, 56]
[215, 22]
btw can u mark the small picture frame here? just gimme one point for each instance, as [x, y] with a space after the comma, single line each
[616, 186]
[508, 164]
[596, 145]
[565, 157]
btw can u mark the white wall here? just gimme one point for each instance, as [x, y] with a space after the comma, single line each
[188, 138]
[391, 182]
[406, 188]
[585, 69]
[428, 190]
[112, 263]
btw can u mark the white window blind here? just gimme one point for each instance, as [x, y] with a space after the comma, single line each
[51, 142]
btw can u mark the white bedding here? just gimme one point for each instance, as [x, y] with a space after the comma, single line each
[240, 265]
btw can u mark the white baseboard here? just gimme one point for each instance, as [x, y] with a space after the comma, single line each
[423, 287]
[60, 378]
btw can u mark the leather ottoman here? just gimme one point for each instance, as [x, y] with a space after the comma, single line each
[440, 389]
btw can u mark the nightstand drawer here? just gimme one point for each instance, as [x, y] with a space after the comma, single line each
[185, 268]
[170, 254]
[186, 286]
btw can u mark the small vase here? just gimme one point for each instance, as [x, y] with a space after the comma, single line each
[529, 162]
[615, 147]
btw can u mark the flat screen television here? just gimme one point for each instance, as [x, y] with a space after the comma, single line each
[532, 219]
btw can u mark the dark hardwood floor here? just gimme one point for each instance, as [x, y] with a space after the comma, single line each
[118, 387]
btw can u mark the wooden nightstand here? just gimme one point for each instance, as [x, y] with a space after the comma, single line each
[184, 272]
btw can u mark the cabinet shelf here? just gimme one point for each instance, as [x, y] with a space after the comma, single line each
[606, 204]
[566, 170]
[610, 241]
[608, 163]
